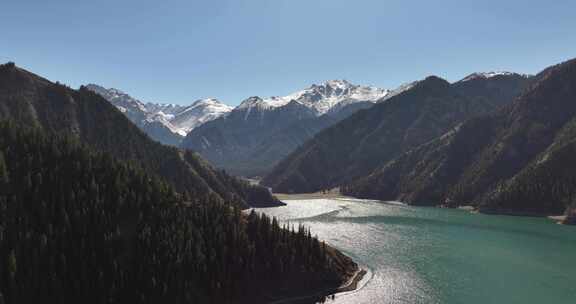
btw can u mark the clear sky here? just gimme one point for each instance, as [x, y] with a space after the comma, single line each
[179, 51]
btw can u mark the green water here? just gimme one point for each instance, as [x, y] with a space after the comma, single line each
[430, 255]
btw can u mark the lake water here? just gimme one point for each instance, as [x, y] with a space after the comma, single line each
[430, 255]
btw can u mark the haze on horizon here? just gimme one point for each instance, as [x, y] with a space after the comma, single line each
[177, 52]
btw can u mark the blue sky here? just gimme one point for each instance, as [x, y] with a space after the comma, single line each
[179, 51]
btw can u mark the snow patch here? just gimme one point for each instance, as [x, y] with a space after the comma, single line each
[487, 75]
[177, 118]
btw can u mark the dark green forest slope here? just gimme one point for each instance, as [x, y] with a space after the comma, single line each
[35, 101]
[80, 226]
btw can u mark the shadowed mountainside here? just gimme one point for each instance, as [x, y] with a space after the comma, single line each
[517, 160]
[369, 138]
[34, 101]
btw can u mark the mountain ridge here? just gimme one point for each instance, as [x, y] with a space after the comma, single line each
[320, 98]
[166, 123]
[513, 160]
[32, 100]
[356, 145]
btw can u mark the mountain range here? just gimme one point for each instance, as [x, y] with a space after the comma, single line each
[250, 139]
[367, 139]
[165, 123]
[92, 209]
[259, 132]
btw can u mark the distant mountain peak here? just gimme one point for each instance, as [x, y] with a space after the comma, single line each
[320, 98]
[200, 112]
[488, 75]
[431, 82]
[434, 81]
[253, 101]
[207, 101]
[341, 84]
[338, 82]
[177, 119]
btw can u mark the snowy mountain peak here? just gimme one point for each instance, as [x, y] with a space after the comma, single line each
[335, 85]
[200, 112]
[256, 101]
[212, 105]
[488, 75]
[338, 83]
[178, 119]
[207, 102]
[320, 98]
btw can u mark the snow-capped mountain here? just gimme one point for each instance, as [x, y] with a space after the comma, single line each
[259, 132]
[166, 123]
[168, 109]
[320, 98]
[199, 112]
[488, 75]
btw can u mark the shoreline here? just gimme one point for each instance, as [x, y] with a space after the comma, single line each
[352, 282]
[332, 193]
[560, 219]
[350, 285]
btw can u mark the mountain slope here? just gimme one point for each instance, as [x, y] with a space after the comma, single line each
[200, 112]
[369, 138]
[259, 132]
[78, 226]
[35, 101]
[518, 159]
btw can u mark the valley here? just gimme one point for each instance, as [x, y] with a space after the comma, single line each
[287, 152]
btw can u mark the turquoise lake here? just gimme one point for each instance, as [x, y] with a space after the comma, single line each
[431, 255]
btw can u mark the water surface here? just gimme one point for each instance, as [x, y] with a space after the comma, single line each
[430, 255]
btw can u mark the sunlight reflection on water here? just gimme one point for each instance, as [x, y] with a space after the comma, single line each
[430, 255]
[346, 224]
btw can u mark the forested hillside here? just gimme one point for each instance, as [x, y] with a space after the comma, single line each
[80, 226]
[35, 101]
